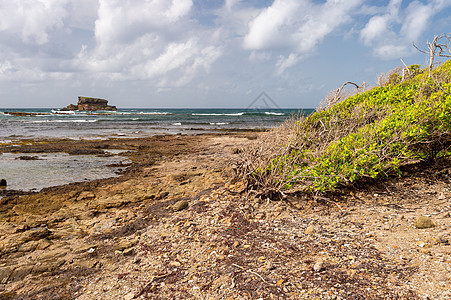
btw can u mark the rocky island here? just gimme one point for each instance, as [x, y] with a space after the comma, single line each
[90, 104]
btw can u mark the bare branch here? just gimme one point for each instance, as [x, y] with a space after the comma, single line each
[437, 47]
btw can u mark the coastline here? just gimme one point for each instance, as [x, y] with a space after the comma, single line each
[132, 236]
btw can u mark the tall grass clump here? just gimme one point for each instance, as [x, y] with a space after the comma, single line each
[368, 135]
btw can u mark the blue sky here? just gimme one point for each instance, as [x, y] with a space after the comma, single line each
[211, 53]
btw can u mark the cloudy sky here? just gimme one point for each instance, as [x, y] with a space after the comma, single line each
[204, 53]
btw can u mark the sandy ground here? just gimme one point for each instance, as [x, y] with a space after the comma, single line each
[173, 226]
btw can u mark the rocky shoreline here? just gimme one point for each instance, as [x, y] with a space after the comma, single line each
[177, 225]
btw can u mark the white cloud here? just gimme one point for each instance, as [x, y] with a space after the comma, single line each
[117, 40]
[285, 63]
[273, 26]
[31, 20]
[417, 19]
[391, 33]
[174, 56]
[228, 4]
[376, 28]
[148, 40]
[296, 26]
[123, 21]
[391, 51]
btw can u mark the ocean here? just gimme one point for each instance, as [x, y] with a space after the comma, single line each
[50, 123]
[60, 168]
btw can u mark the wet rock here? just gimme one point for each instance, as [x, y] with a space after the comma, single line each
[25, 157]
[180, 205]
[3, 183]
[423, 222]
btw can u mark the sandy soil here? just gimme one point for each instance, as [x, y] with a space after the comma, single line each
[173, 226]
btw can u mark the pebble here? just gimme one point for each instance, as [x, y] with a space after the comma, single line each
[423, 222]
[180, 205]
[310, 230]
[319, 265]
[443, 238]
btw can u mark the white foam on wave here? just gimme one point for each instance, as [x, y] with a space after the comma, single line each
[274, 113]
[213, 114]
[155, 113]
[177, 124]
[219, 123]
[63, 112]
[65, 121]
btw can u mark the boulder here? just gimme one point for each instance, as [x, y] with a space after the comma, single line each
[3, 183]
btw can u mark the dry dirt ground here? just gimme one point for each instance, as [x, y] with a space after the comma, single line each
[173, 226]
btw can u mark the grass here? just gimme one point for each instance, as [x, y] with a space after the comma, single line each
[370, 134]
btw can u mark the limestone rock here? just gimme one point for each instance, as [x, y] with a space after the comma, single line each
[423, 222]
[86, 195]
[126, 244]
[90, 104]
[180, 205]
[35, 234]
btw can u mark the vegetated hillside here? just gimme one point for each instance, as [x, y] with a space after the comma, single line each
[368, 135]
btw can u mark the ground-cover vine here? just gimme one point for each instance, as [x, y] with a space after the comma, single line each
[368, 135]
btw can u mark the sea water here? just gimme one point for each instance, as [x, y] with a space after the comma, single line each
[52, 169]
[50, 123]
[57, 169]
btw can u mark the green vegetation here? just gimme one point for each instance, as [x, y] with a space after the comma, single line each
[368, 135]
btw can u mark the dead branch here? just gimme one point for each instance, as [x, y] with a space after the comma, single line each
[437, 48]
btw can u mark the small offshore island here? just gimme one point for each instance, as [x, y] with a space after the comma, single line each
[90, 104]
[84, 104]
[352, 202]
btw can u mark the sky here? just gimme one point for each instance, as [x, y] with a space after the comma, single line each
[205, 53]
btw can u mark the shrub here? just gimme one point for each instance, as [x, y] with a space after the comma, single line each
[368, 135]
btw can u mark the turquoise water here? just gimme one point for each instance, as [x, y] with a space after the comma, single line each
[135, 122]
[57, 169]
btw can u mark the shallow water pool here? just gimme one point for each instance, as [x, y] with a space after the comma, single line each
[45, 170]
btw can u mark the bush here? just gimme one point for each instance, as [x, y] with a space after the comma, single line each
[368, 135]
